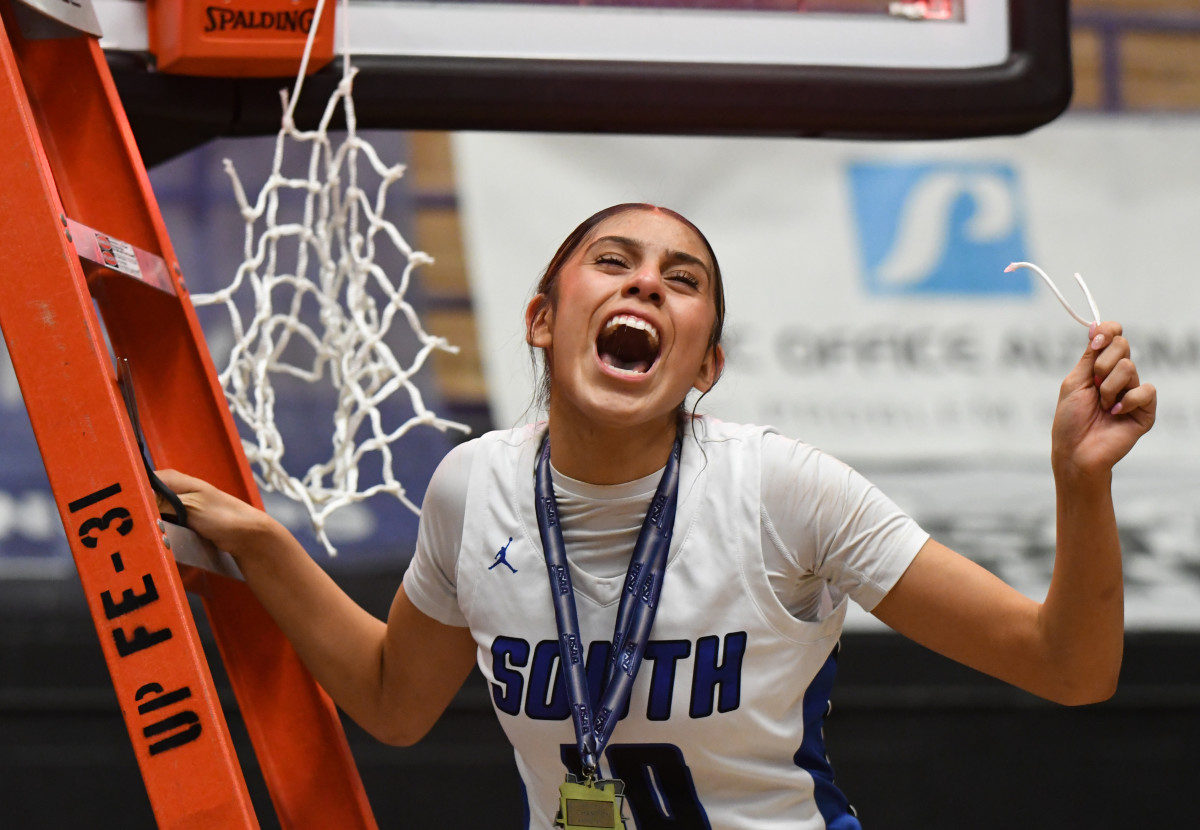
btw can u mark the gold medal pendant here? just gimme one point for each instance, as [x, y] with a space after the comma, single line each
[590, 803]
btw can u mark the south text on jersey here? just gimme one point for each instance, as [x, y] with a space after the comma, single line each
[527, 678]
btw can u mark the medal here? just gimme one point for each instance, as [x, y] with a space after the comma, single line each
[590, 803]
[595, 802]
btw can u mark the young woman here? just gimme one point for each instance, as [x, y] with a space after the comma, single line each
[656, 597]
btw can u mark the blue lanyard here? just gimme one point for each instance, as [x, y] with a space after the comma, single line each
[635, 613]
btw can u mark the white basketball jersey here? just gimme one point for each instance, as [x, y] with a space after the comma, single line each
[723, 728]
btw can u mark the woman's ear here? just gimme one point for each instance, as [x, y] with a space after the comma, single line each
[710, 369]
[539, 319]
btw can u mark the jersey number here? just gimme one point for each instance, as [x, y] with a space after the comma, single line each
[658, 784]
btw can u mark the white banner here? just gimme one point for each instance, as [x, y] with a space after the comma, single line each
[869, 311]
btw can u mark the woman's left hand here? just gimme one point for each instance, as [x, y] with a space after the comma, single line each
[1103, 407]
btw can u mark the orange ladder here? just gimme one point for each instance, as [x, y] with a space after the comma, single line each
[72, 183]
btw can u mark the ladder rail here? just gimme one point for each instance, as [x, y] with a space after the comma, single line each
[61, 361]
[76, 157]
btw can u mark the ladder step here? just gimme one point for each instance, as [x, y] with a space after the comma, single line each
[192, 549]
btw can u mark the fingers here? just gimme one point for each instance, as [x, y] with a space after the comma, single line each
[177, 483]
[180, 483]
[1108, 347]
[1114, 373]
[223, 519]
[1113, 386]
[1102, 337]
[1142, 399]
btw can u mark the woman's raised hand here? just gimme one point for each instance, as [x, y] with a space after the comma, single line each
[226, 521]
[1103, 407]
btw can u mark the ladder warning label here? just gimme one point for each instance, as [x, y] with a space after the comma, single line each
[118, 255]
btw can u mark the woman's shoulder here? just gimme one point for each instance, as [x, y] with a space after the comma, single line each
[708, 428]
[711, 428]
[456, 465]
[512, 437]
[777, 449]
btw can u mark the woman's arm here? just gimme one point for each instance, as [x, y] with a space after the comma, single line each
[1069, 647]
[393, 679]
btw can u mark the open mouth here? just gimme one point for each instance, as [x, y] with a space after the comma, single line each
[628, 344]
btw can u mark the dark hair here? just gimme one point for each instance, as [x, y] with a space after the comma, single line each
[549, 280]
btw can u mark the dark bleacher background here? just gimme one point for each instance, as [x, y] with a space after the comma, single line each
[917, 742]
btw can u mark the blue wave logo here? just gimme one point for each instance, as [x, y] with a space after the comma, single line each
[946, 228]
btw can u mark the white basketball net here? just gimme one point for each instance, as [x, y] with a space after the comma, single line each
[332, 246]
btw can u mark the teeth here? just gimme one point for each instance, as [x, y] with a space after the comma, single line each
[630, 372]
[632, 322]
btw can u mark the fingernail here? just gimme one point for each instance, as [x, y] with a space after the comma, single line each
[1116, 410]
[1097, 341]
[1092, 330]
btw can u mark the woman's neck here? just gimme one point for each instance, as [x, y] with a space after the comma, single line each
[610, 455]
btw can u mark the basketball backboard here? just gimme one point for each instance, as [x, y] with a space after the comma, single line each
[836, 68]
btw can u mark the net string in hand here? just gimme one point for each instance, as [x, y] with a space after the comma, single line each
[1078, 278]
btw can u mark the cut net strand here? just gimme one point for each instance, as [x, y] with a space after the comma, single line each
[1054, 288]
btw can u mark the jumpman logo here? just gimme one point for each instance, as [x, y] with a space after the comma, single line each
[502, 557]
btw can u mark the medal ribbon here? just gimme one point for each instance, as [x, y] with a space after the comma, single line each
[635, 613]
